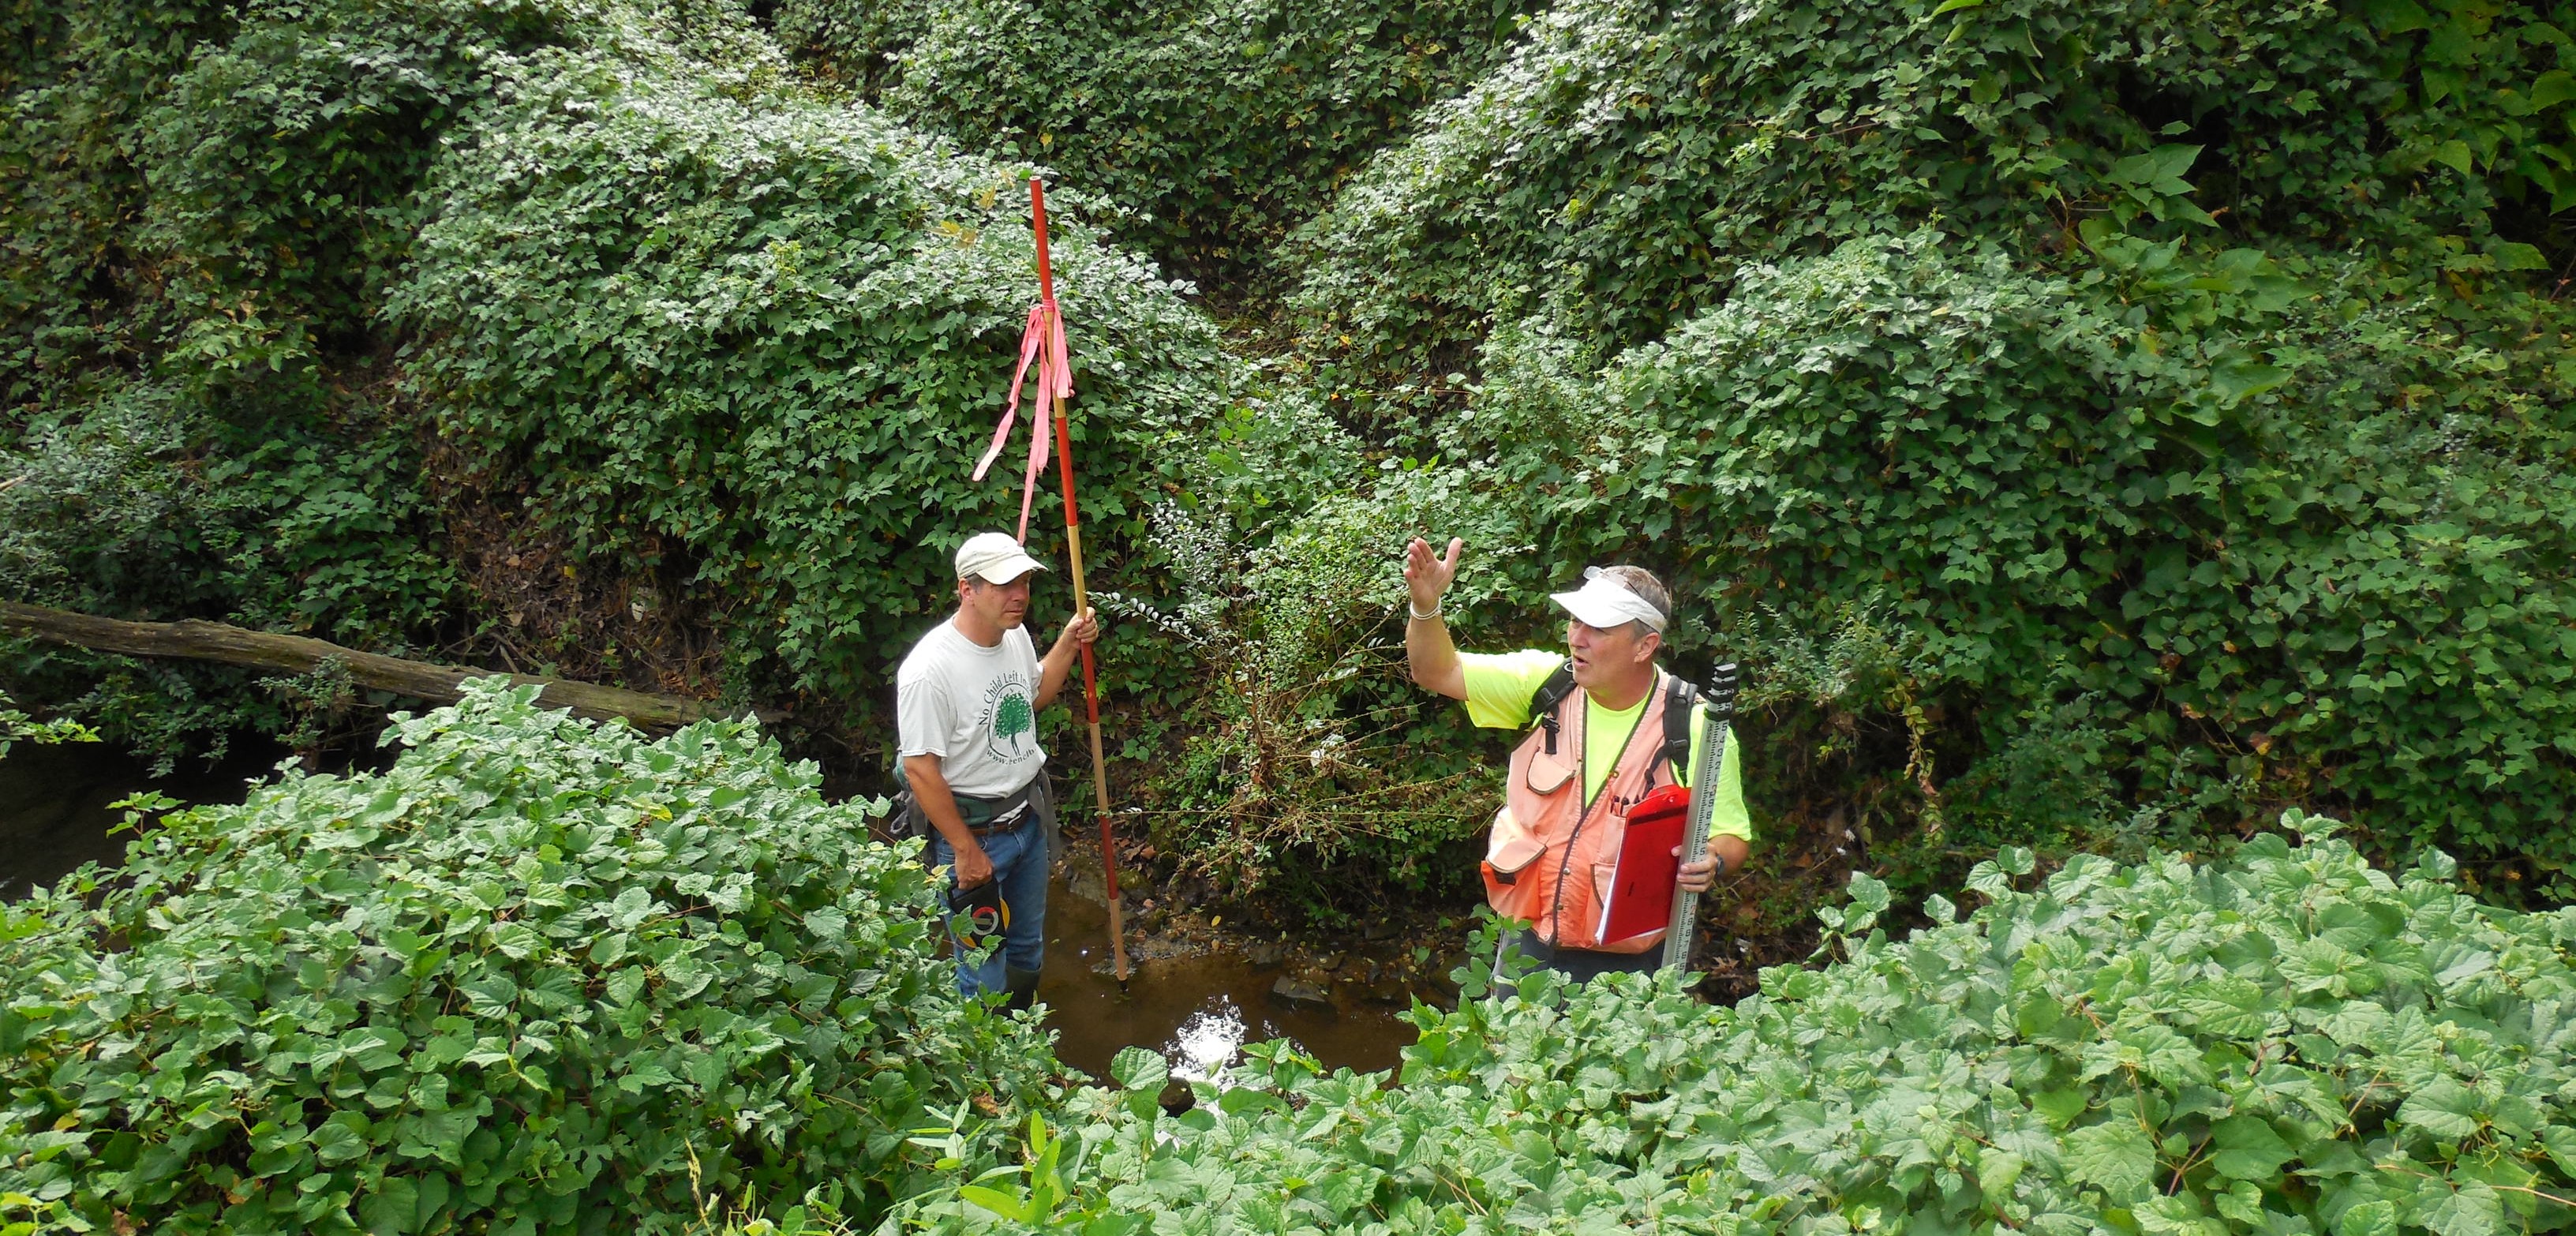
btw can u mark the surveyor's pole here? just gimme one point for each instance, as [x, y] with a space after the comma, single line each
[1081, 600]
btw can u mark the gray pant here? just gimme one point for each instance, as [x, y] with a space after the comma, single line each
[1583, 964]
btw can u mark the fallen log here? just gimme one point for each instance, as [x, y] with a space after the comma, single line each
[439, 684]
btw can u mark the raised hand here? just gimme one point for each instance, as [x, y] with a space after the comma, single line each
[1428, 577]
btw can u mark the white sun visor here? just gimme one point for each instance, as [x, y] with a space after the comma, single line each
[1604, 602]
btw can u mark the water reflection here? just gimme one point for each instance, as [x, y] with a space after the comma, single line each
[1206, 1042]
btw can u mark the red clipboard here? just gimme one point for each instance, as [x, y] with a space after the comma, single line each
[1641, 886]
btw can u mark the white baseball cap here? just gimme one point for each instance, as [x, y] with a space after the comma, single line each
[1604, 602]
[994, 558]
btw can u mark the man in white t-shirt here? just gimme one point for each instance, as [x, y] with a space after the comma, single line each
[966, 705]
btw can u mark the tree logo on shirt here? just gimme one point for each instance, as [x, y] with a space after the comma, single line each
[1013, 717]
[1009, 720]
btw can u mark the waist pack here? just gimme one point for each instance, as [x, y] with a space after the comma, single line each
[981, 814]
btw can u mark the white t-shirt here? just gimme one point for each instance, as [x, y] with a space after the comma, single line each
[973, 707]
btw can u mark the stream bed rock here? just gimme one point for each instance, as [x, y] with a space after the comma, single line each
[1298, 994]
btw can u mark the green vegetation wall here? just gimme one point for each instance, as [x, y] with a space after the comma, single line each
[1627, 158]
[758, 344]
[1206, 129]
[203, 205]
[319, 314]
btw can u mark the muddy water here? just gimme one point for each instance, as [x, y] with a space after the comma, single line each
[1194, 1008]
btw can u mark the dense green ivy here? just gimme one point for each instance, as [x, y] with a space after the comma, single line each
[539, 975]
[2283, 1040]
[202, 206]
[2188, 374]
[735, 338]
[78, 80]
[759, 342]
[1630, 157]
[1214, 126]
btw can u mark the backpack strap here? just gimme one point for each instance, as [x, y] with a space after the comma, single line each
[1680, 697]
[1551, 693]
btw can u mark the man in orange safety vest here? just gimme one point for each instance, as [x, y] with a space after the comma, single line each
[1598, 741]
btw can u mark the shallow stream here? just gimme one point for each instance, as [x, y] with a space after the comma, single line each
[1195, 1007]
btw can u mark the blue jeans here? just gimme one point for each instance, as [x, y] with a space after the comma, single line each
[1020, 868]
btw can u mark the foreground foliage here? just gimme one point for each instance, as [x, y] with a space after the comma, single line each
[540, 975]
[2283, 1041]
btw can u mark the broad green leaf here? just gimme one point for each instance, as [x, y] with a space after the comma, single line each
[1136, 1068]
[2551, 89]
[2397, 16]
[2373, 1218]
[2115, 1155]
[2515, 255]
[2444, 1109]
[2248, 1148]
[2472, 1209]
[2237, 379]
[996, 1201]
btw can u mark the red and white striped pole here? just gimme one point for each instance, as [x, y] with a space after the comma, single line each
[1081, 593]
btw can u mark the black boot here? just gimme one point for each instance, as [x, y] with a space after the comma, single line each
[1021, 988]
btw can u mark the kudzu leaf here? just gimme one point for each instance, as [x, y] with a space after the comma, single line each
[2116, 1156]
[632, 907]
[2445, 1109]
[1137, 1068]
[2060, 1107]
[2560, 1141]
[391, 1207]
[996, 1201]
[1997, 1170]
[2237, 379]
[2248, 1148]
[2372, 1218]
[2228, 1006]
[2471, 1209]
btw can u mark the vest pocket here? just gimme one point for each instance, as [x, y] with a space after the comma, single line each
[1512, 857]
[1512, 870]
[1546, 775]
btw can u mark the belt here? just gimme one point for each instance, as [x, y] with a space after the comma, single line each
[1009, 821]
[1006, 813]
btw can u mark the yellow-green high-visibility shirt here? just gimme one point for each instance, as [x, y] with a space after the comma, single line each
[1499, 687]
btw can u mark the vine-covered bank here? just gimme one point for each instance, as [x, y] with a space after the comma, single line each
[2093, 427]
[2097, 428]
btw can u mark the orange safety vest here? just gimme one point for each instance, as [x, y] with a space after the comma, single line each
[1551, 854]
